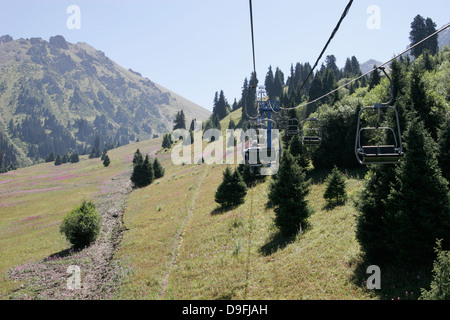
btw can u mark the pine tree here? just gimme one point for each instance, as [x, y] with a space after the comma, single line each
[104, 154]
[221, 106]
[106, 161]
[231, 124]
[335, 192]
[143, 174]
[158, 169]
[231, 192]
[418, 203]
[138, 157]
[298, 152]
[371, 228]
[167, 141]
[375, 78]
[444, 148]
[74, 158]
[180, 120]
[92, 153]
[288, 192]
[58, 160]
[269, 83]
[440, 285]
[50, 158]
[65, 158]
[97, 152]
[420, 29]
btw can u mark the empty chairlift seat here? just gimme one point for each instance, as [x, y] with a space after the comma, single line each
[378, 154]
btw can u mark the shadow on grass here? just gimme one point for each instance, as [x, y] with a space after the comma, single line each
[280, 240]
[330, 206]
[318, 176]
[63, 253]
[221, 210]
[398, 282]
[277, 241]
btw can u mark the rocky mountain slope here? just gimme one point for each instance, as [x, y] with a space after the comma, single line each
[56, 96]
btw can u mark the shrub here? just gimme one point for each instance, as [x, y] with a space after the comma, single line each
[142, 174]
[58, 160]
[158, 169]
[335, 189]
[288, 191]
[107, 161]
[231, 192]
[81, 226]
[440, 285]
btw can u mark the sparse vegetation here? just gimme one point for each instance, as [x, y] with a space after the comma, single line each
[81, 226]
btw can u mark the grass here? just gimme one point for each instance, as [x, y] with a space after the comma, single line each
[192, 250]
[33, 201]
[179, 245]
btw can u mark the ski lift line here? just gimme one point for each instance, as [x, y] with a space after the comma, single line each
[344, 14]
[254, 86]
[370, 71]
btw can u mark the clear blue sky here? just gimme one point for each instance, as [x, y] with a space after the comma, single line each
[198, 47]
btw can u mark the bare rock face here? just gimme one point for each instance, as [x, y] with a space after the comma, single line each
[59, 42]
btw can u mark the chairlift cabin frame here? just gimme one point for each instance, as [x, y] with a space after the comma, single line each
[292, 127]
[311, 140]
[262, 147]
[379, 154]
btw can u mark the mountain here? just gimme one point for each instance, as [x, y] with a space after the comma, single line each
[444, 38]
[56, 96]
[368, 65]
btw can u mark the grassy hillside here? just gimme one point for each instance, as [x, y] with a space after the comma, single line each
[176, 243]
[33, 201]
[180, 246]
[74, 92]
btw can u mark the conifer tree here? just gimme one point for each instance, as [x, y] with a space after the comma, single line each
[288, 192]
[143, 174]
[298, 152]
[138, 157]
[65, 158]
[167, 141]
[231, 192]
[158, 169]
[371, 228]
[58, 160]
[375, 78]
[180, 120]
[335, 192]
[106, 161]
[50, 158]
[444, 148]
[74, 158]
[418, 203]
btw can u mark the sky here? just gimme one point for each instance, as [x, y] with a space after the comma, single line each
[198, 47]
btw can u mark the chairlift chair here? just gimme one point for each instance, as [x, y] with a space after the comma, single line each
[292, 127]
[312, 139]
[379, 154]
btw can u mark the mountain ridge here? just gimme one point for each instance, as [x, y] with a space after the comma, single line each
[74, 92]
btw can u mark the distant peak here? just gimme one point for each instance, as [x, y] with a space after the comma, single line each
[58, 41]
[6, 38]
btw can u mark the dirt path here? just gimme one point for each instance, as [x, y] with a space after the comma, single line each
[99, 277]
[179, 236]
